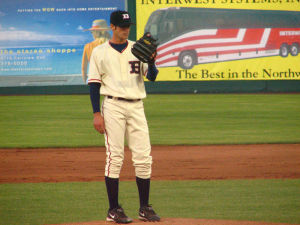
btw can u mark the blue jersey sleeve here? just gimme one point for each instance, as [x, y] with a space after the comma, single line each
[152, 72]
[95, 96]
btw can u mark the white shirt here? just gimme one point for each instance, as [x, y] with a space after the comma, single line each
[120, 74]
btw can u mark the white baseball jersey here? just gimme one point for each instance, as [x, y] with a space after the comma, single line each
[120, 74]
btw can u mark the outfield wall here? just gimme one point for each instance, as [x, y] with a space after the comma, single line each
[164, 87]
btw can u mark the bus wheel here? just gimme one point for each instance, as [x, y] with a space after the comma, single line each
[294, 49]
[284, 50]
[187, 60]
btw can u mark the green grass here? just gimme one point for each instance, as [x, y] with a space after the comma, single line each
[52, 203]
[66, 120]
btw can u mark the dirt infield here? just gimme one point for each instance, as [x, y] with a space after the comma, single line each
[170, 163]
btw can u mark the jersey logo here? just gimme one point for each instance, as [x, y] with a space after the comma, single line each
[135, 67]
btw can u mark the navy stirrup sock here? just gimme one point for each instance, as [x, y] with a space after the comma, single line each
[144, 190]
[112, 187]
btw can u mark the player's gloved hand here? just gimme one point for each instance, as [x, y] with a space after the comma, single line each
[145, 49]
[99, 124]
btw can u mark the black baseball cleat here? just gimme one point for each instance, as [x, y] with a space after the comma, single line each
[117, 215]
[147, 213]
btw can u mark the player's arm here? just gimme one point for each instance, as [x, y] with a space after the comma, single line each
[95, 100]
[94, 82]
[152, 72]
[95, 96]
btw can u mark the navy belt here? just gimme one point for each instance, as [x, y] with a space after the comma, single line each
[123, 99]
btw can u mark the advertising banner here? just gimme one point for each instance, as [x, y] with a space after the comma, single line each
[42, 42]
[202, 40]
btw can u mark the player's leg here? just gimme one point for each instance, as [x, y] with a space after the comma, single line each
[137, 134]
[139, 143]
[115, 122]
[114, 141]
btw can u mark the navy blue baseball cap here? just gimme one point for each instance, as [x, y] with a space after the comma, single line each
[120, 18]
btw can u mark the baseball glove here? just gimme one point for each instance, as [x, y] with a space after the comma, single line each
[145, 49]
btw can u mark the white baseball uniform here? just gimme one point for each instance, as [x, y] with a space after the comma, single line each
[122, 83]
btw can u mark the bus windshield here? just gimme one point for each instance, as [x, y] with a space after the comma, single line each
[153, 23]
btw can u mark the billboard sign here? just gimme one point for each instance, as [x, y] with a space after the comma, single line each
[41, 42]
[223, 40]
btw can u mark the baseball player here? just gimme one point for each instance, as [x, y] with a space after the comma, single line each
[100, 34]
[120, 75]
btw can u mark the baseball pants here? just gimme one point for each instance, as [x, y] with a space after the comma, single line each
[125, 119]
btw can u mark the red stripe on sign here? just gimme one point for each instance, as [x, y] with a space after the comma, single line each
[229, 33]
[166, 60]
[203, 54]
[252, 36]
[231, 52]
[183, 40]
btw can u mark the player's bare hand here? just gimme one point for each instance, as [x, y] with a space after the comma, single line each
[99, 124]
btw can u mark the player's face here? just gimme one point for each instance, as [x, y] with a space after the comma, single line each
[121, 33]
